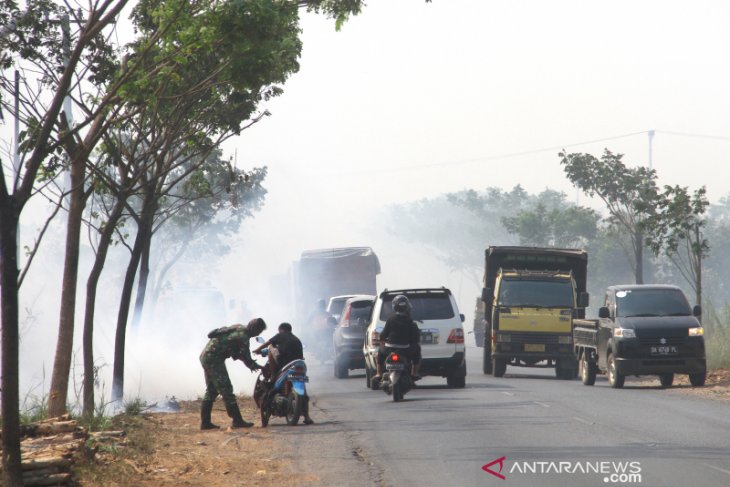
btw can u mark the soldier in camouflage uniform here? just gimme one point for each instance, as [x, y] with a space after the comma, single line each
[227, 342]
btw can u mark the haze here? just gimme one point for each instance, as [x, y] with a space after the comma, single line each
[411, 100]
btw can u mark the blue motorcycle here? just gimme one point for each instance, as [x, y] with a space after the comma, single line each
[285, 395]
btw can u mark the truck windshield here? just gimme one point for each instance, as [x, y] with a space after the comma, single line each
[651, 302]
[534, 293]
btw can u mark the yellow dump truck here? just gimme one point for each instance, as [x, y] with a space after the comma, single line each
[531, 296]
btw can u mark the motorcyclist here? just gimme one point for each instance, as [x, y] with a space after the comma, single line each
[284, 347]
[400, 329]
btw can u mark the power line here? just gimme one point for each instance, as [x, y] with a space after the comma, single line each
[533, 151]
[496, 157]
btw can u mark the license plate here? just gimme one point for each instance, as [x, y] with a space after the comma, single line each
[664, 350]
[429, 337]
[534, 347]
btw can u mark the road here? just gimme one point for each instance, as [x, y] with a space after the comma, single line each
[550, 433]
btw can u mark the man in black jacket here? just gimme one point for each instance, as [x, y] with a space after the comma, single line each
[400, 329]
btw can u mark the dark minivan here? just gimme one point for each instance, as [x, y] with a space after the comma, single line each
[349, 334]
[642, 330]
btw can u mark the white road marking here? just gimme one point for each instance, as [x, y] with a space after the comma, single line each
[584, 421]
[717, 468]
[545, 405]
[508, 393]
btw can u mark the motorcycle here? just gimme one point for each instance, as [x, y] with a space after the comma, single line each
[397, 380]
[282, 396]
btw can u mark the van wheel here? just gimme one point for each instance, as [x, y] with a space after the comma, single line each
[587, 370]
[666, 380]
[615, 379]
[698, 379]
[499, 367]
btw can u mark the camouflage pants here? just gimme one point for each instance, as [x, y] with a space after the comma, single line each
[217, 381]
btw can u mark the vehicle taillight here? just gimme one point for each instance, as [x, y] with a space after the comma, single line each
[395, 357]
[456, 336]
[345, 318]
[375, 338]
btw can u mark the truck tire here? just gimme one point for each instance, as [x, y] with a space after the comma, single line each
[615, 379]
[666, 380]
[499, 367]
[698, 379]
[487, 360]
[587, 370]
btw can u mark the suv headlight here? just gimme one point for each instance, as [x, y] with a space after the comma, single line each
[624, 332]
[696, 332]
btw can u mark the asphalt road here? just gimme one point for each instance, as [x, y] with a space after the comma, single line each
[550, 433]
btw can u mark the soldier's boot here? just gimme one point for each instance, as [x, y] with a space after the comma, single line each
[205, 410]
[235, 415]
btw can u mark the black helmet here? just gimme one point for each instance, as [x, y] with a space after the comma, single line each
[401, 305]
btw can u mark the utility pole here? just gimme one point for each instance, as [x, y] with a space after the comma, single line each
[651, 140]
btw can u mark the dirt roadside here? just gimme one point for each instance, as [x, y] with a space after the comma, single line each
[168, 449]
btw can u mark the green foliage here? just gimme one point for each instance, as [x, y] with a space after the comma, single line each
[135, 407]
[717, 336]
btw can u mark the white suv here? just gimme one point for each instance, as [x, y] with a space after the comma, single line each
[442, 333]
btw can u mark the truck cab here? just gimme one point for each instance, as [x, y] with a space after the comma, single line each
[531, 296]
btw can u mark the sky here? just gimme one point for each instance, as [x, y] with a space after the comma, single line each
[411, 100]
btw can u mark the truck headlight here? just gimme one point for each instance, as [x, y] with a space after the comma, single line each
[624, 332]
[565, 339]
[504, 338]
[696, 332]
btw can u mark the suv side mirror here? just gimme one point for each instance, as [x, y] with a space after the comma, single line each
[487, 295]
[463, 318]
[583, 299]
[697, 311]
[603, 312]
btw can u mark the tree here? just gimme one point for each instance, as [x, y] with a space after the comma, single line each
[30, 36]
[562, 225]
[677, 230]
[628, 193]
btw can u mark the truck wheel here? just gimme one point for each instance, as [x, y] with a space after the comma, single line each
[698, 379]
[587, 370]
[615, 379]
[487, 360]
[499, 367]
[666, 380]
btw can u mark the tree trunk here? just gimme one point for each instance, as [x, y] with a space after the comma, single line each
[91, 288]
[9, 216]
[698, 270]
[144, 273]
[639, 254]
[145, 227]
[64, 346]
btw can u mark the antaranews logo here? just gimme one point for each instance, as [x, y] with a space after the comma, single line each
[624, 472]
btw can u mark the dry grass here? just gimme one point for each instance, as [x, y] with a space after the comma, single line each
[169, 449]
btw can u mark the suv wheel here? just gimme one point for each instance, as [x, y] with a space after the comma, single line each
[698, 379]
[341, 366]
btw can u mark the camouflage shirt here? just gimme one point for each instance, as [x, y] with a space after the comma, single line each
[232, 343]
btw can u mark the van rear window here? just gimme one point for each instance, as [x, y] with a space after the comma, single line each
[425, 307]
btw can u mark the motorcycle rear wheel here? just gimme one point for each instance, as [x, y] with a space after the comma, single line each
[397, 392]
[296, 406]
